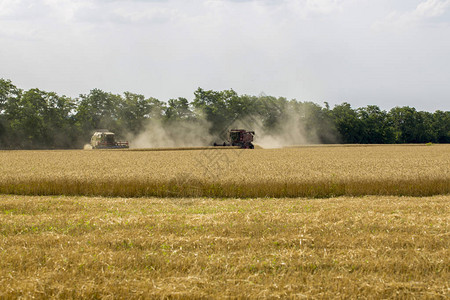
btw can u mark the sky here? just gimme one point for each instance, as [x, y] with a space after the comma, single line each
[365, 52]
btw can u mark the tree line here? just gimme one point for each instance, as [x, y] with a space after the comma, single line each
[36, 119]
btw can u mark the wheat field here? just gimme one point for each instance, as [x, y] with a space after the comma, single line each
[130, 248]
[413, 170]
[226, 223]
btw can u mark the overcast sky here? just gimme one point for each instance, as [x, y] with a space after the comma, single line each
[383, 52]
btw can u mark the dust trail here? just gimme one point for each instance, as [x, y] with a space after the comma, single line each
[180, 133]
[296, 126]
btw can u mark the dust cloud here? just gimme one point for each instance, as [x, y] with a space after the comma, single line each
[293, 129]
[180, 133]
[289, 132]
[295, 126]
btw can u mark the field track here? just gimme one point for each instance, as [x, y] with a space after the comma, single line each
[317, 171]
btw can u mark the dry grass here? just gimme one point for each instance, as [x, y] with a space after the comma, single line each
[305, 171]
[370, 247]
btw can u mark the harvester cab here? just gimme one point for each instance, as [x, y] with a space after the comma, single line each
[104, 139]
[239, 137]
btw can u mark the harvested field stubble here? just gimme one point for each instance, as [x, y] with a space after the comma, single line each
[370, 247]
[293, 172]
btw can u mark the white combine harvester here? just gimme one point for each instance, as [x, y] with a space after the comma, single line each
[104, 139]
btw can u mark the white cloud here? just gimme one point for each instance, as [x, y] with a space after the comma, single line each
[430, 9]
[323, 6]
[425, 11]
[320, 50]
[304, 9]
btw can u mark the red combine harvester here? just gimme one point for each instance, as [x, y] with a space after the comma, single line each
[239, 137]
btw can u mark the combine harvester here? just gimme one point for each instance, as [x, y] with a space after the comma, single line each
[236, 139]
[240, 138]
[104, 139]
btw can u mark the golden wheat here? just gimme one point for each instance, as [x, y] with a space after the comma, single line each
[78, 247]
[304, 171]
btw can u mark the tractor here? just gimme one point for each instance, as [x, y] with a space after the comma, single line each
[104, 139]
[239, 137]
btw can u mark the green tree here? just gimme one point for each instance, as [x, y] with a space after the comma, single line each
[411, 126]
[29, 119]
[178, 109]
[426, 130]
[347, 123]
[42, 120]
[441, 126]
[376, 126]
[8, 91]
[213, 106]
[9, 98]
[60, 121]
[39, 119]
[99, 110]
[135, 110]
[241, 107]
[272, 111]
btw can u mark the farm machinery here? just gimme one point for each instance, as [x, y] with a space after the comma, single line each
[239, 137]
[104, 139]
